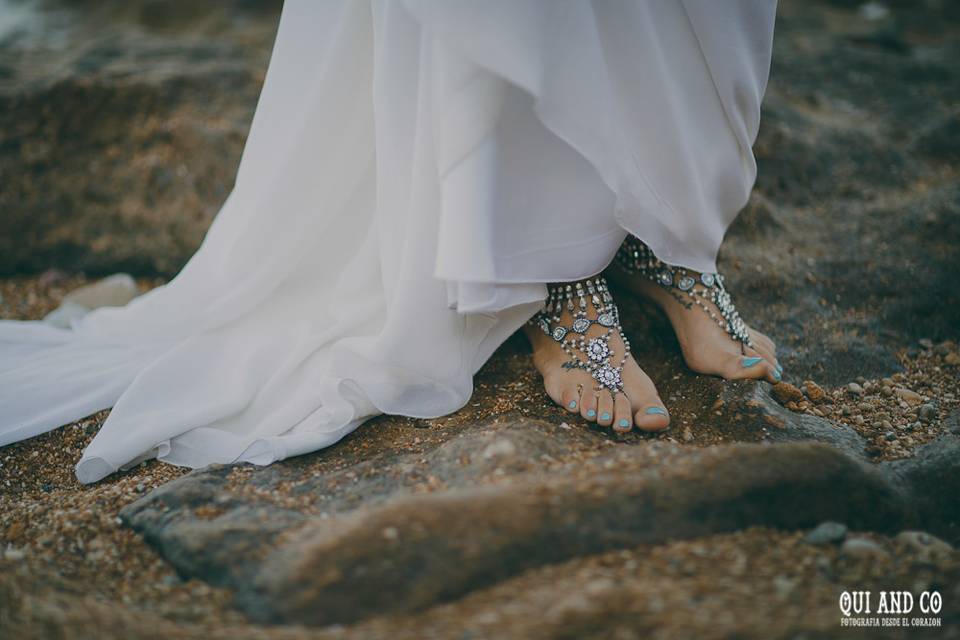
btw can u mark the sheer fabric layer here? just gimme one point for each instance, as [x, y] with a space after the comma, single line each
[415, 172]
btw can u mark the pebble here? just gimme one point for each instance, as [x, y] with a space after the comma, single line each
[927, 412]
[814, 391]
[11, 553]
[827, 533]
[687, 434]
[863, 548]
[785, 392]
[952, 358]
[925, 547]
[926, 343]
[908, 396]
[855, 389]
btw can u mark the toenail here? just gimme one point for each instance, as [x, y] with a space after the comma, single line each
[777, 375]
[659, 410]
[749, 362]
[605, 416]
[780, 368]
[624, 422]
[573, 404]
[591, 413]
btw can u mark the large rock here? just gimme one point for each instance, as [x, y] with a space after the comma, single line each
[500, 498]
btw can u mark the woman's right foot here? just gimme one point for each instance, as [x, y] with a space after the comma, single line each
[581, 362]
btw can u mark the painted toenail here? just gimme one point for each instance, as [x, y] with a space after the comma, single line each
[624, 422]
[591, 413]
[780, 368]
[573, 404]
[777, 375]
[659, 410]
[605, 416]
[749, 362]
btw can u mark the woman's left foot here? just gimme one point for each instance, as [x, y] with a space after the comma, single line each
[713, 338]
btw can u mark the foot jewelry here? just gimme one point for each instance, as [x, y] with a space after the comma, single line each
[688, 287]
[593, 355]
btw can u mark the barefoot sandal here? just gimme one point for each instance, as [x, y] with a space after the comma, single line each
[592, 355]
[688, 287]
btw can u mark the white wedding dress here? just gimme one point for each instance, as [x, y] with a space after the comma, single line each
[415, 172]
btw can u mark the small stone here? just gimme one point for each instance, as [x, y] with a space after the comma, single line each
[886, 392]
[952, 358]
[687, 434]
[10, 553]
[908, 396]
[926, 343]
[890, 436]
[925, 547]
[855, 389]
[140, 488]
[927, 413]
[816, 394]
[390, 533]
[827, 533]
[784, 392]
[863, 548]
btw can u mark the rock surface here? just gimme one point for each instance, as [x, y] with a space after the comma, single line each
[121, 125]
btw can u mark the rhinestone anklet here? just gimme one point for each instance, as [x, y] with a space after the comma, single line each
[688, 287]
[592, 355]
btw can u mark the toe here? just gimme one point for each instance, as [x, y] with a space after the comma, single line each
[571, 399]
[769, 356]
[649, 413]
[766, 348]
[750, 365]
[652, 417]
[605, 409]
[588, 405]
[622, 414]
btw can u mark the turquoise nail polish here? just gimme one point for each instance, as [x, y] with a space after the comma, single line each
[780, 368]
[624, 422]
[573, 404]
[777, 375]
[749, 362]
[591, 413]
[658, 410]
[605, 416]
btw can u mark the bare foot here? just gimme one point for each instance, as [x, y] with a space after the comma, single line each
[580, 390]
[707, 346]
